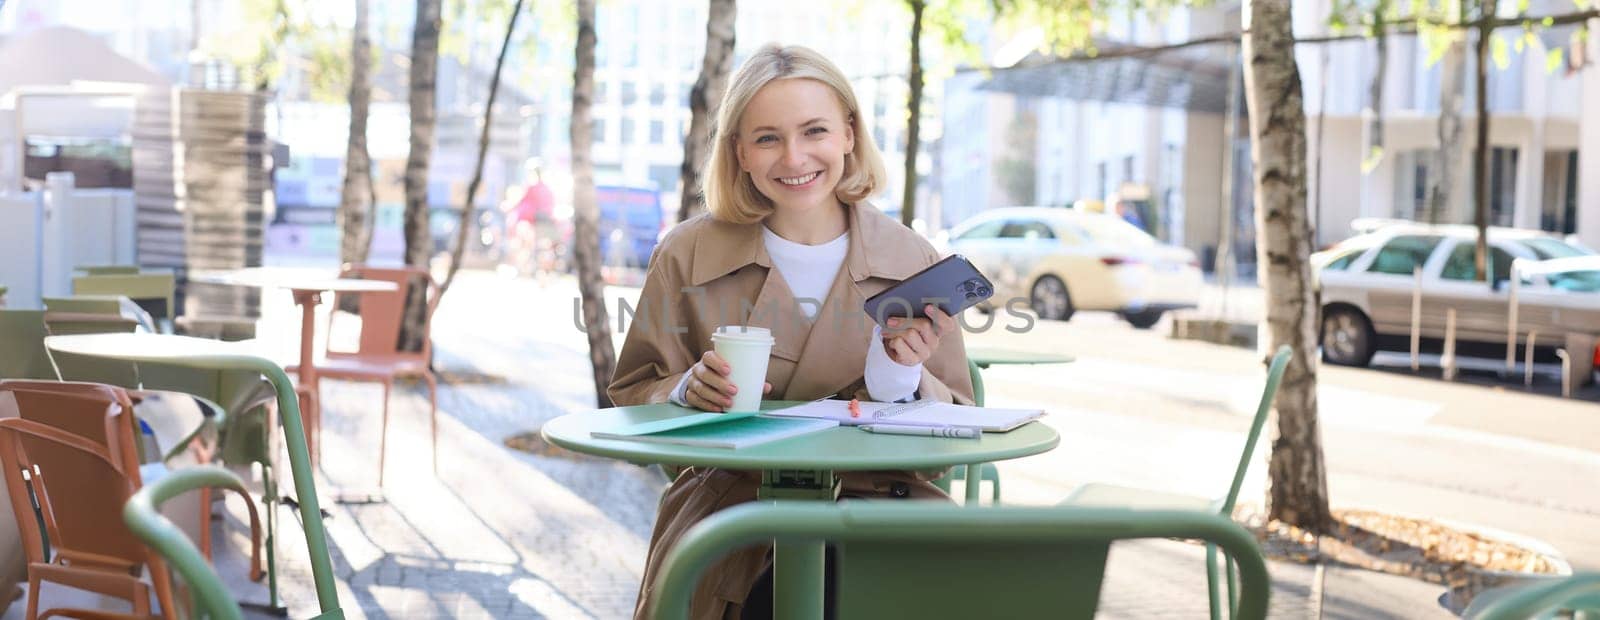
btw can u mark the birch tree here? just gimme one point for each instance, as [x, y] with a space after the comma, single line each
[356, 203]
[419, 239]
[586, 209]
[1299, 479]
[715, 65]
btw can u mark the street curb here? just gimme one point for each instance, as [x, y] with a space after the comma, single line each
[1216, 331]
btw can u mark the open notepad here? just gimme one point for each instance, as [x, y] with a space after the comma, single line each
[917, 413]
[717, 430]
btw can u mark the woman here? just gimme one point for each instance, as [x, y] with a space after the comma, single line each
[789, 244]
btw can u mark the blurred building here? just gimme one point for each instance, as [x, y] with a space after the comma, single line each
[649, 55]
[1155, 125]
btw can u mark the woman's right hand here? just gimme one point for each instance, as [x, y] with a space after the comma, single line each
[710, 387]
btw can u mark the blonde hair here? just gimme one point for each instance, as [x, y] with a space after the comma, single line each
[730, 194]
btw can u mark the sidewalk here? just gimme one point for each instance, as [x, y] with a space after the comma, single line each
[506, 534]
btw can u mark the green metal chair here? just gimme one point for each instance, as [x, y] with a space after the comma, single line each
[152, 291]
[1036, 561]
[209, 596]
[1106, 495]
[988, 473]
[22, 352]
[1547, 598]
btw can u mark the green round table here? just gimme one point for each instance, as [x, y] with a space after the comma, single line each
[214, 354]
[797, 468]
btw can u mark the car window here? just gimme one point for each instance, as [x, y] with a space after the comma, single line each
[1343, 260]
[1462, 264]
[1403, 254]
[1114, 231]
[1576, 281]
[1026, 229]
[986, 230]
[1545, 248]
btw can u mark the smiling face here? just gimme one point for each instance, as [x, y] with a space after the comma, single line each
[792, 141]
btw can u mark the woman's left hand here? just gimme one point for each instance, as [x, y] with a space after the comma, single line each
[912, 341]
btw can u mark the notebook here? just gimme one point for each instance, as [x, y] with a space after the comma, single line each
[917, 413]
[717, 430]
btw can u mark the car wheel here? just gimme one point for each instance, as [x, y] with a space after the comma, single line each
[1049, 298]
[1347, 337]
[1143, 319]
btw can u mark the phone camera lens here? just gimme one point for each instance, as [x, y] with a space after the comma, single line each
[983, 291]
[972, 296]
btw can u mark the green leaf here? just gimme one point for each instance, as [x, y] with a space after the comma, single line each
[1548, 22]
[1552, 60]
[1374, 157]
[1522, 6]
[1502, 55]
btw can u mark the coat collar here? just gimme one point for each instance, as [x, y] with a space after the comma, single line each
[722, 248]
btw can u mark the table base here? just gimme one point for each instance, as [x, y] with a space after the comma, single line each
[801, 484]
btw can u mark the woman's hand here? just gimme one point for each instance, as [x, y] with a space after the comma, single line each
[710, 388]
[913, 341]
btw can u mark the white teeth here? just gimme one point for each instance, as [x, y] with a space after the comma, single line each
[798, 180]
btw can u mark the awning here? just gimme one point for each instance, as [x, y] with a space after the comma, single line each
[1190, 79]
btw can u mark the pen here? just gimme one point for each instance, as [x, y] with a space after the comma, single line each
[959, 432]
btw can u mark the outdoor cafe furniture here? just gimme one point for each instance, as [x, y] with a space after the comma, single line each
[210, 354]
[1106, 495]
[1011, 562]
[79, 445]
[209, 596]
[307, 287]
[799, 468]
[979, 358]
[1552, 597]
[379, 356]
[238, 403]
[152, 291]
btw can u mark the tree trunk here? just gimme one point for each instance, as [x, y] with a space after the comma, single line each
[1299, 493]
[467, 209]
[1442, 183]
[586, 210]
[908, 200]
[419, 240]
[1375, 90]
[356, 204]
[703, 99]
[1480, 155]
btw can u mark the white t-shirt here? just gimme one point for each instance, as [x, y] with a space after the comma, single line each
[810, 271]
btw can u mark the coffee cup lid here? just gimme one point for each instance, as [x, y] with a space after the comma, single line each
[743, 333]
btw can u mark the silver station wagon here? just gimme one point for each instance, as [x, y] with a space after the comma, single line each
[1368, 281]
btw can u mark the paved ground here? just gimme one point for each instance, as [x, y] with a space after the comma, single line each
[501, 533]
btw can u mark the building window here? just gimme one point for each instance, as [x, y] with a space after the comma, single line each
[597, 130]
[600, 91]
[658, 131]
[627, 132]
[1105, 181]
[658, 94]
[630, 94]
[1127, 169]
[1502, 185]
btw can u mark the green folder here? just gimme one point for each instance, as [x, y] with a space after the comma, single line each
[717, 430]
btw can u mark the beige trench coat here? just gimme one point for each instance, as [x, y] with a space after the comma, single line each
[708, 273]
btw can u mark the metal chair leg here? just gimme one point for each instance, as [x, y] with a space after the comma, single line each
[1211, 582]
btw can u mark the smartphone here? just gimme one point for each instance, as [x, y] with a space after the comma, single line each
[952, 284]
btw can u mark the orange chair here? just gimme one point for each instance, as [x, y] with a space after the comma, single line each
[77, 441]
[378, 356]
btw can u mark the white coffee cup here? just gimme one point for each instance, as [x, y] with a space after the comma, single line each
[745, 349]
